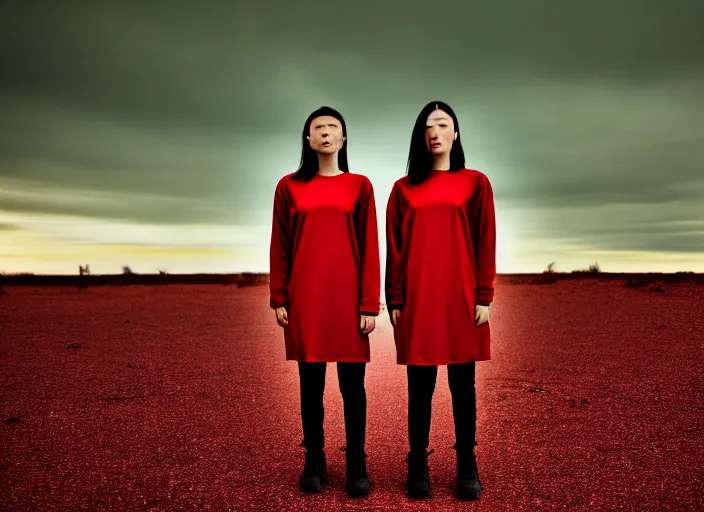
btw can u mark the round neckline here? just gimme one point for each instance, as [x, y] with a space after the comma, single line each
[330, 175]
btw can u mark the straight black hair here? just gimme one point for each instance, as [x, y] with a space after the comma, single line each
[309, 157]
[420, 159]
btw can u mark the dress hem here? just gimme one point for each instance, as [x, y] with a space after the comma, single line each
[440, 363]
[328, 360]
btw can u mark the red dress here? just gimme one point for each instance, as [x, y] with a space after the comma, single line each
[325, 265]
[441, 262]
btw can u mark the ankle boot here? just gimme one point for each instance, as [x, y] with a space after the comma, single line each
[314, 470]
[418, 481]
[357, 484]
[468, 484]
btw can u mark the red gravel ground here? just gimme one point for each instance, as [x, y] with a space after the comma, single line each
[179, 398]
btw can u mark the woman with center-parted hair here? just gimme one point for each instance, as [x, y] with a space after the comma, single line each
[440, 270]
[325, 284]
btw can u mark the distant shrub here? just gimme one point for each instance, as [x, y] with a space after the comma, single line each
[593, 269]
[2, 281]
[83, 273]
[548, 276]
[128, 277]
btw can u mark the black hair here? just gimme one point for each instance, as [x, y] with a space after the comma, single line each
[420, 160]
[309, 157]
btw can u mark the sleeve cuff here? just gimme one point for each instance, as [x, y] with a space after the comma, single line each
[276, 303]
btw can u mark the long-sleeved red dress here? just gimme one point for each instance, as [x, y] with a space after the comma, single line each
[441, 262]
[324, 265]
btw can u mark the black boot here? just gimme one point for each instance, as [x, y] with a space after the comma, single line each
[314, 470]
[468, 484]
[418, 481]
[357, 484]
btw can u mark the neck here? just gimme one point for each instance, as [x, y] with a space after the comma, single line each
[327, 164]
[441, 162]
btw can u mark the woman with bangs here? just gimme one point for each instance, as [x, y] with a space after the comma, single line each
[325, 285]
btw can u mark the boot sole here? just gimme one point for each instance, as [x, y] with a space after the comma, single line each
[467, 495]
[312, 489]
[418, 493]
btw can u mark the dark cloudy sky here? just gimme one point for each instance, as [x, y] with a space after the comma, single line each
[152, 134]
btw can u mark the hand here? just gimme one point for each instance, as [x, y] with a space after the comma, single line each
[281, 317]
[395, 316]
[367, 323]
[481, 315]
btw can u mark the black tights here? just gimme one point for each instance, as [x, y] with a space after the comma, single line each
[421, 384]
[351, 379]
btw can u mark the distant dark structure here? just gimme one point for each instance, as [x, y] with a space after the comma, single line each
[83, 273]
[128, 277]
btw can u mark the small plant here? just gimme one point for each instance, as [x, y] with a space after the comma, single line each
[548, 276]
[83, 272]
[163, 272]
[594, 268]
[128, 277]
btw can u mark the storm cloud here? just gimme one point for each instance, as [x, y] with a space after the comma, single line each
[586, 116]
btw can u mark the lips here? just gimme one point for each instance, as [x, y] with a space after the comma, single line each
[436, 144]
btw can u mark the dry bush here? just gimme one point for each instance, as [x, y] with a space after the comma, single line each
[548, 276]
[594, 268]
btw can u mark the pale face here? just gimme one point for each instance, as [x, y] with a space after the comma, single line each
[326, 135]
[439, 132]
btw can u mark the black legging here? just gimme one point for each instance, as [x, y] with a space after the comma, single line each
[351, 380]
[421, 384]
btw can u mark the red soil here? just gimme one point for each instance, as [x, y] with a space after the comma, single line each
[179, 398]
